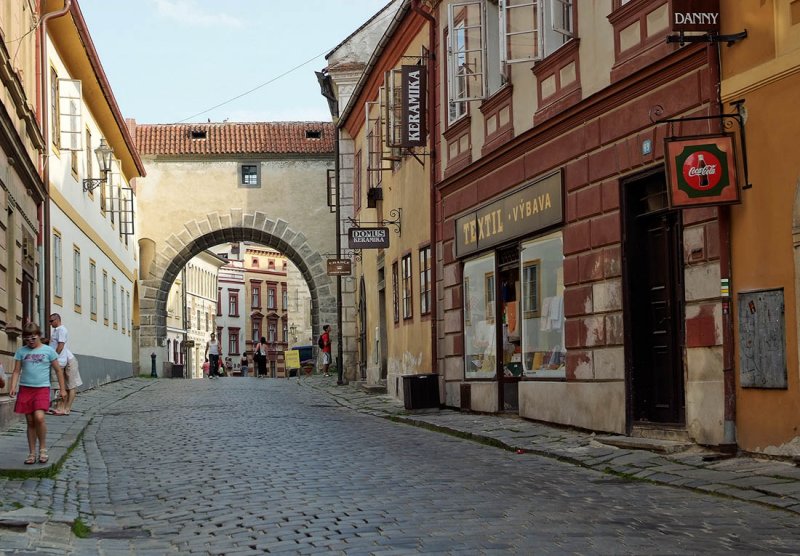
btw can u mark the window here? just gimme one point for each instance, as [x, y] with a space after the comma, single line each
[485, 36]
[233, 304]
[272, 335]
[285, 299]
[425, 280]
[357, 182]
[271, 298]
[395, 293]
[69, 123]
[285, 332]
[207, 327]
[198, 318]
[130, 315]
[58, 267]
[256, 296]
[105, 298]
[542, 268]
[122, 320]
[480, 334]
[407, 302]
[233, 341]
[249, 175]
[93, 289]
[256, 330]
[114, 314]
[54, 119]
[219, 301]
[76, 276]
[89, 154]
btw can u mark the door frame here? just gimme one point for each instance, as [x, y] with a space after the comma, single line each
[627, 313]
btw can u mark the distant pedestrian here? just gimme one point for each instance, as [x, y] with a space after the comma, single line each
[244, 364]
[205, 368]
[262, 350]
[68, 362]
[32, 364]
[213, 352]
[325, 344]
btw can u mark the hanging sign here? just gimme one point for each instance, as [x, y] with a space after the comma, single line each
[412, 119]
[701, 171]
[368, 238]
[695, 15]
[339, 267]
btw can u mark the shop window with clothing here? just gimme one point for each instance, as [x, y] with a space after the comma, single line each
[542, 351]
[480, 345]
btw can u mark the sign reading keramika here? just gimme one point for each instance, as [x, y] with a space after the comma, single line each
[695, 15]
[701, 170]
[368, 238]
[530, 208]
[412, 122]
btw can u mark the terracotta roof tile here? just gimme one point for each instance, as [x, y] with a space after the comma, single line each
[235, 138]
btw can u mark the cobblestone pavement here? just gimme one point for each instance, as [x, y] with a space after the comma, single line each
[245, 466]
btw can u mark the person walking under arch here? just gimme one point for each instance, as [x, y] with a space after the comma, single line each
[32, 364]
[325, 344]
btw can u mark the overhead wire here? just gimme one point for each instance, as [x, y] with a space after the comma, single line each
[284, 74]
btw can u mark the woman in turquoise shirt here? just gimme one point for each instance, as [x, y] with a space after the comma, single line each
[32, 363]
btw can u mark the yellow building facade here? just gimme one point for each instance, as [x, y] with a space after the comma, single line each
[762, 72]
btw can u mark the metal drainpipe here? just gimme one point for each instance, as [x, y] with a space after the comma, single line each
[724, 220]
[44, 310]
[434, 192]
[339, 348]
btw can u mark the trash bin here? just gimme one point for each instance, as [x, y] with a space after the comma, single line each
[421, 391]
[177, 371]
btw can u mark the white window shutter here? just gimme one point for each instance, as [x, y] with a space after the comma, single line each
[561, 18]
[522, 37]
[466, 52]
[69, 103]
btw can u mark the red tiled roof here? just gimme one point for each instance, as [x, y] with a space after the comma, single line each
[235, 138]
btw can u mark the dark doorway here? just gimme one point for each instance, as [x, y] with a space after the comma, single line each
[654, 283]
[509, 338]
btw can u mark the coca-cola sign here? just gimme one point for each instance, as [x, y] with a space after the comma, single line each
[701, 170]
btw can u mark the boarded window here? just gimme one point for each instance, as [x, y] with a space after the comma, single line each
[762, 341]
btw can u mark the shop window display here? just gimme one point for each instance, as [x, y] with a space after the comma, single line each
[479, 320]
[542, 352]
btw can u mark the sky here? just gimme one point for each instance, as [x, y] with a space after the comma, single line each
[171, 61]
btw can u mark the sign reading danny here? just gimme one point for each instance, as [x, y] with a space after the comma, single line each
[695, 15]
[701, 171]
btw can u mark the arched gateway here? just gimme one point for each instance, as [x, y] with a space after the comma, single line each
[209, 184]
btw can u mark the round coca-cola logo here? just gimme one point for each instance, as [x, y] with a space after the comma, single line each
[702, 170]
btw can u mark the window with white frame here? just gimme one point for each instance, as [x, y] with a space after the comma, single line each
[486, 35]
[93, 289]
[114, 313]
[425, 280]
[249, 175]
[58, 267]
[408, 311]
[105, 298]
[122, 320]
[69, 107]
[76, 276]
[130, 315]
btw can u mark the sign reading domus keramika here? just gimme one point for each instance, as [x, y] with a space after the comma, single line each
[526, 210]
[368, 238]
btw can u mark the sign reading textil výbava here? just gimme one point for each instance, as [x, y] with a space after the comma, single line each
[412, 120]
[701, 171]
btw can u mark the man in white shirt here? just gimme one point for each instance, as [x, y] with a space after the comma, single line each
[68, 362]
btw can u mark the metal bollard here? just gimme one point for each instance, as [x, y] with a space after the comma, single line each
[153, 373]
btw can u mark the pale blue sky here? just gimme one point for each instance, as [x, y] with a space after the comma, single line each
[168, 60]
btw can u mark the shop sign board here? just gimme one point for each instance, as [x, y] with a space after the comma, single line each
[533, 207]
[368, 238]
[695, 15]
[412, 120]
[701, 171]
[339, 267]
[291, 358]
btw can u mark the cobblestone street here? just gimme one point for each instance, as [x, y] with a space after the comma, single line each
[238, 466]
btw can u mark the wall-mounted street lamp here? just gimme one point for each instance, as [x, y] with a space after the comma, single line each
[293, 332]
[104, 156]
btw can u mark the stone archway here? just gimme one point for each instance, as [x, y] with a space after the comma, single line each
[160, 269]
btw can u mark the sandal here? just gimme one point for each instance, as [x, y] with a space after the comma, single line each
[43, 457]
[31, 459]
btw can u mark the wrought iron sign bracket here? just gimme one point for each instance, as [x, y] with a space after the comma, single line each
[725, 119]
[396, 214]
[682, 39]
